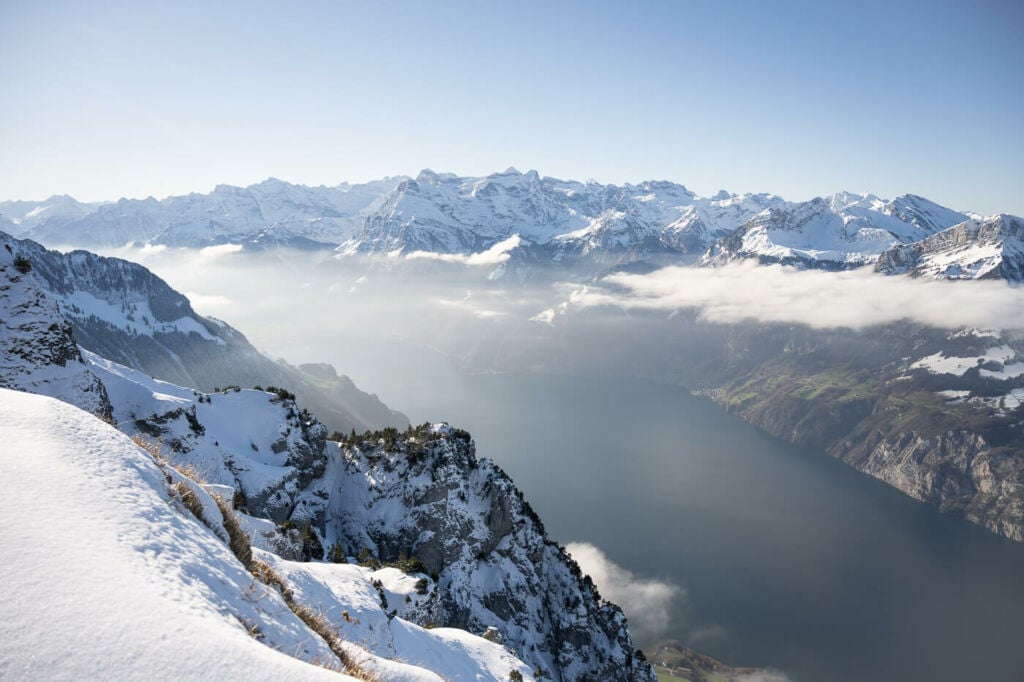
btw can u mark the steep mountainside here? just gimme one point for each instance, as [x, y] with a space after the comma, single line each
[936, 415]
[37, 350]
[124, 312]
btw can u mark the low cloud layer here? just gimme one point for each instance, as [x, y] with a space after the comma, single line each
[219, 251]
[645, 602]
[497, 254]
[854, 298]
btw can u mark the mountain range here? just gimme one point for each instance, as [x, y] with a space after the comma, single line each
[540, 223]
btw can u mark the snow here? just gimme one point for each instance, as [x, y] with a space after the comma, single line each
[1008, 371]
[448, 653]
[461, 219]
[941, 364]
[139, 319]
[113, 581]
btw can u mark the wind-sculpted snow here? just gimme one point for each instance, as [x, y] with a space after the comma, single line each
[123, 582]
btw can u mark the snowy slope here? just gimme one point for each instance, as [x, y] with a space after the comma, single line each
[21, 217]
[116, 582]
[129, 582]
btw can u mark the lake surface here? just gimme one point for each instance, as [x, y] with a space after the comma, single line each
[789, 559]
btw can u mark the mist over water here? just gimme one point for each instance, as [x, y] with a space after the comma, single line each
[755, 551]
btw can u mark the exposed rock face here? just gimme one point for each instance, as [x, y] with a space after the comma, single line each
[957, 471]
[989, 249]
[428, 496]
[421, 494]
[841, 231]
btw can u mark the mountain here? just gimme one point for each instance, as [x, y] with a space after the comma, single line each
[22, 217]
[123, 312]
[557, 224]
[841, 231]
[443, 538]
[271, 213]
[992, 248]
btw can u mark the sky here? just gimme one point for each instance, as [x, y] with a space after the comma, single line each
[109, 99]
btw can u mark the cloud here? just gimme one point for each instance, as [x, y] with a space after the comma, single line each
[138, 253]
[468, 304]
[213, 252]
[208, 302]
[774, 293]
[497, 254]
[645, 602]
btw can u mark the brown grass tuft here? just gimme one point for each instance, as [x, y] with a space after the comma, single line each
[189, 498]
[238, 538]
[242, 549]
[314, 620]
[152, 446]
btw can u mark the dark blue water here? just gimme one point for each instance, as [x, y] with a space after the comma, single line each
[790, 559]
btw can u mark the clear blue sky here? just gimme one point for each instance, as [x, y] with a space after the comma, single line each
[109, 99]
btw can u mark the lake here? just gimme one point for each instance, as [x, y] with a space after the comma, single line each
[789, 559]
